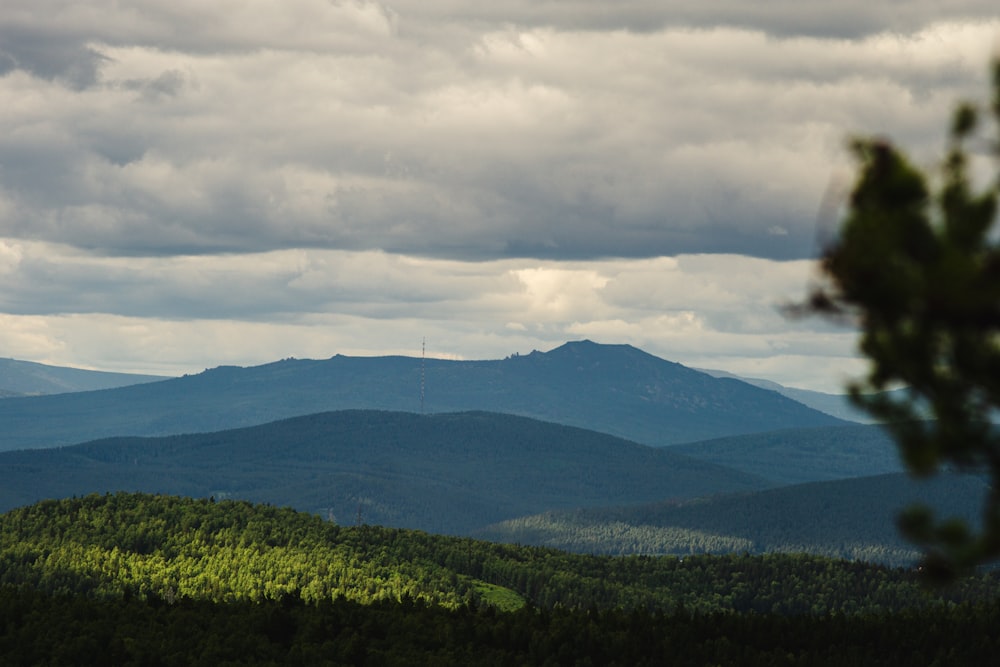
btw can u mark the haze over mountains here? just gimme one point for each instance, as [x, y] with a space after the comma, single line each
[838, 405]
[448, 473]
[562, 448]
[615, 389]
[27, 378]
[514, 479]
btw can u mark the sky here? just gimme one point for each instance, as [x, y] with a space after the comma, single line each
[186, 184]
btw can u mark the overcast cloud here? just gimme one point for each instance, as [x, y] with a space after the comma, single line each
[184, 184]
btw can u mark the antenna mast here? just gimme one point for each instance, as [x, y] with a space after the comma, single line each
[423, 356]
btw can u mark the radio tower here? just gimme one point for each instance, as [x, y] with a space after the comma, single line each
[423, 356]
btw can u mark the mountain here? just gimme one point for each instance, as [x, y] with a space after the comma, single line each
[147, 546]
[615, 389]
[836, 405]
[447, 473]
[29, 378]
[795, 456]
[851, 518]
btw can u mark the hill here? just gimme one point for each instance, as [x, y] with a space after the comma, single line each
[795, 456]
[131, 579]
[614, 389]
[852, 518]
[26, 378]
[160, 547]
[448, 473]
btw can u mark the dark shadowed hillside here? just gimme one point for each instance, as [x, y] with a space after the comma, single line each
[446, 473]
[802, 455]
[614, 389]
[851, 518]
[138, 580]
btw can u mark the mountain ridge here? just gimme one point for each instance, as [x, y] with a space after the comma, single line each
[445, 473]
[618, 389]
[837, 405]
[29, 378]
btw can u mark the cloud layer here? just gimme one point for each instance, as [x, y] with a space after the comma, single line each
[522, 172]
[562, 131]
[182, 314]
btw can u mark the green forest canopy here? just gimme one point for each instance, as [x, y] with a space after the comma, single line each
[133, 579]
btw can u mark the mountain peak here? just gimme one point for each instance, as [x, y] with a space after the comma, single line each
[585, 346]
[617, 389]
[588, 345]
[613, 359]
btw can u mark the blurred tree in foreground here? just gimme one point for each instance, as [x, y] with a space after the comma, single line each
[917, 265]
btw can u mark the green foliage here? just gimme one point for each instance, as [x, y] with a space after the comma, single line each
[39, 629]
[132, 579]
[917, 263]
[852, 518]
[502, 598]
[167, 548]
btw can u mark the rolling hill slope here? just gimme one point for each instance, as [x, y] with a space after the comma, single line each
[851, 518]
[132, 579]
[795, 456]
[614, 389]
[448, 473]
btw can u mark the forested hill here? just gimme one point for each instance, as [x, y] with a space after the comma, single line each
[131, 579]
[850, 518]
[795, 456]
[29, 378]
[447, 473]
[614, 389]
[163, 547]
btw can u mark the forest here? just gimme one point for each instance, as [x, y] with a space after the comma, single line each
[143, 579]
[850, 518]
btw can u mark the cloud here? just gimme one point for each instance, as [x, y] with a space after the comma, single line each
[181, 314]
[332, 176]
[73, 63]
[232, 127]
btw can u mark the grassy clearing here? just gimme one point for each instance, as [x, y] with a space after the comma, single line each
[502, 598]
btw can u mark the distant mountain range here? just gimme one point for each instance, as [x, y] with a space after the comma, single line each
[515, 479]
[838, 405]
[449, 473]
[541, 448]
[27, 378]
[614, 389]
